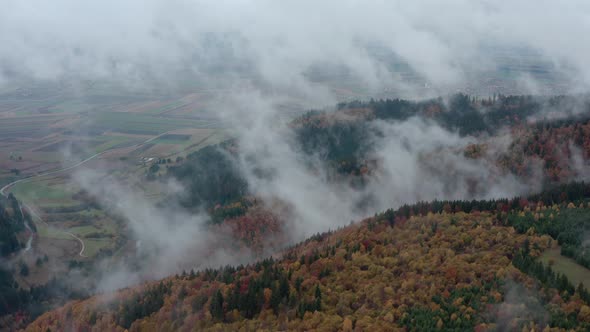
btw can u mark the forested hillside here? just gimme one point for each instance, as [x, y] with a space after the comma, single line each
[211, 177]
[294, 166]
[446, 265]
[344, 141]
[11, 223]
[443, 265]
[18, 304]
[529, 119]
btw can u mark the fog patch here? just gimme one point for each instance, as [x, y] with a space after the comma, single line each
[167, 239]
[520, 306]
[417, 160]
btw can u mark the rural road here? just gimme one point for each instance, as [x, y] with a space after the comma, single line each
[49, 173]
[65, 169]
[83, 246]
[3, 193]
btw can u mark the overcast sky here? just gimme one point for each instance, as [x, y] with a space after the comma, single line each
[277, 42]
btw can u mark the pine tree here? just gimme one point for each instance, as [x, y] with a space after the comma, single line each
[216, 306]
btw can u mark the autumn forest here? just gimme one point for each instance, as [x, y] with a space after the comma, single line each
[440, 264]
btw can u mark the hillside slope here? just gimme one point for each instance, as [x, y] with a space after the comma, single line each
[514, 136]
[463, 265]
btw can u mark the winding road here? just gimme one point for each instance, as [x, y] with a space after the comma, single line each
[34, 214]
[65, 169]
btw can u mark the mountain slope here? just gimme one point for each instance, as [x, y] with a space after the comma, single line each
[348, 142]
[429, 266]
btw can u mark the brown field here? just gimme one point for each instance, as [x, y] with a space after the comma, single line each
[140, 107]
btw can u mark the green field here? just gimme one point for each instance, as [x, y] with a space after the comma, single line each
[166, 108]
[44, 193]
[51, 232]
[105, 229]
[113, 141]
[142, 124]
[172, 139]
[93, 246]
[53, 193]
[564, 265]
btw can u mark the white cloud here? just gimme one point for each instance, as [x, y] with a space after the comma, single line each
[148, 41]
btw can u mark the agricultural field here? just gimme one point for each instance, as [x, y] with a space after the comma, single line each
[62, 209]
[140, 124]
[46, 136]
[574, 271]
[44, 132]
[172, 139]
[46, 193]
[28, 126]
[180, 143]
[122, 134]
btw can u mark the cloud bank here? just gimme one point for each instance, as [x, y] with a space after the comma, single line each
[418, 161]
[283, 46]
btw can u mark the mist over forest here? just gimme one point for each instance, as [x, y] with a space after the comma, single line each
[231, 164]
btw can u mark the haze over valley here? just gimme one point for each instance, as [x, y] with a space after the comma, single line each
[294, 165]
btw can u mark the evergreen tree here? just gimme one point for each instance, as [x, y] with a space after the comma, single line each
[216, 306]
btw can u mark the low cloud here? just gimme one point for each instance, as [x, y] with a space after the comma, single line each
[417, 161]
[279, 46]
[520, 306]
[167, 239]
